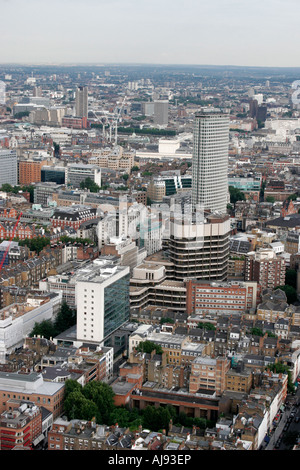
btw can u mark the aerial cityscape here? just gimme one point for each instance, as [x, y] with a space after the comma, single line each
[149, 240]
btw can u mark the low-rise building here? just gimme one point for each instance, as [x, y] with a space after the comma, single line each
[31, 387]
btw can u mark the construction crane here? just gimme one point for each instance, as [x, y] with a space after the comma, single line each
[10, 240]
[117, 119]
[111, 120]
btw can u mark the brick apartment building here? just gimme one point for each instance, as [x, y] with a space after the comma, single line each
[8, 213]
[72, 216]
[212, 297]
[209, 374]
[265, 268]
[20, 425]
[73, 122]
[30, 171]
[22, 230]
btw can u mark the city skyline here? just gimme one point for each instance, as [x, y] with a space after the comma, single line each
[218, 33]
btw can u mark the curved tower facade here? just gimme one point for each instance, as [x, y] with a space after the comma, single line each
[210, 160]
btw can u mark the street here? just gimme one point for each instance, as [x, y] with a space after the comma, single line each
[289, 423]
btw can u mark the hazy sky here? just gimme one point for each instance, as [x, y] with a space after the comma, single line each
[214, 32]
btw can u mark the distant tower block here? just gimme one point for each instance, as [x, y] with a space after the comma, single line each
[81, 103]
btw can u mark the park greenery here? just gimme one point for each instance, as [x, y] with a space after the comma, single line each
[95, 402]
[84, 241]
[36, 244]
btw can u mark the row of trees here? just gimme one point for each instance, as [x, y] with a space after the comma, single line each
[36, 244]
[66, 239]
[95, 402]
[8, 188]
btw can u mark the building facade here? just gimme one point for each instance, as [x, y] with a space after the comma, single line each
[220, 298]
[265, 268]
[9, 167]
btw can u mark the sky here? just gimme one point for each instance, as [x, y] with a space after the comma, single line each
[196, 32]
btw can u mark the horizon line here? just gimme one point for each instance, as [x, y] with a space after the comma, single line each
[139, 64]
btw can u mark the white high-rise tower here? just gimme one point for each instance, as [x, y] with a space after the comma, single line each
[210, 160]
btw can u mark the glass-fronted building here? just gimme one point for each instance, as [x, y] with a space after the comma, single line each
[102, 298]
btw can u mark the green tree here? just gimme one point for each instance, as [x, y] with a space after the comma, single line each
[72, 386]
[280, 368]
[235, 195]
[8, 188]
[21, 114]
[262, 190]
[270, 199]
[16, 189]
[56, 149]
[103, 397]
[256, 331]
[44, 328]
[291, 278]
[36, 244]
[122, 416]
[148, 346]
[66, 239]
[206, 326]
[93, 400]
[65, 318]
[292, 197]
[89, 184]
[76, 406]
[158, 418]
[166, 320]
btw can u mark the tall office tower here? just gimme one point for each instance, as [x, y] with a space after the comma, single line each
[210, 160]
[161, 112]
[102, 293]
[81, 102]
[8, 167]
